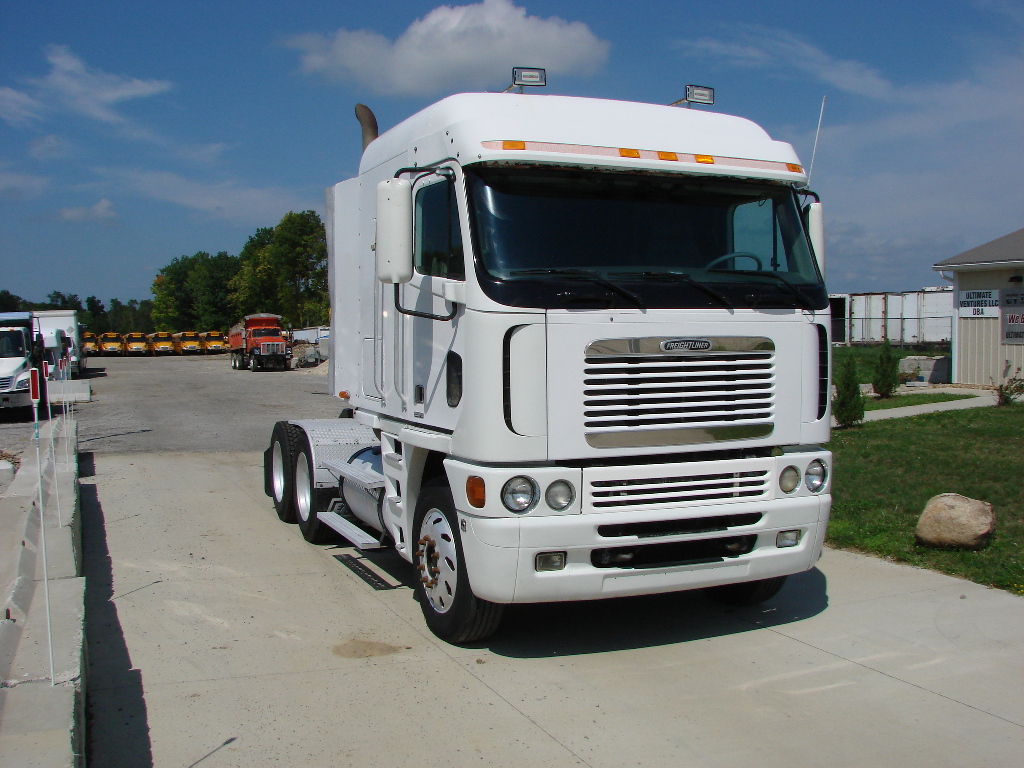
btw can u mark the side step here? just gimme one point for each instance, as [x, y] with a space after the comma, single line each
[360, 538]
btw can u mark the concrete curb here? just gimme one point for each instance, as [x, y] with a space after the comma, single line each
[42, 719]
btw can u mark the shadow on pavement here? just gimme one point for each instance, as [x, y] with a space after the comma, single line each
[117, 726]
[615, 624]
[93, 373]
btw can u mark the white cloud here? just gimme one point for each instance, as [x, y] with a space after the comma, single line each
[102, 211]
[17, 186]
[913, 173]
[92, 92]
[766, 48]
[227, 200]
[452, 48]
[18, 109]
[50, 147]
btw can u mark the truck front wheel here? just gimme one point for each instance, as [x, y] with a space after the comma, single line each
[450, 608]
[748, 592]
[308, 498]
[254, 364]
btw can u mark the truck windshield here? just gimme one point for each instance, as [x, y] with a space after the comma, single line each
[262, 332]
[12, 343]
[567, 238]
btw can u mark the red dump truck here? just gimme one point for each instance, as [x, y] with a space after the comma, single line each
[259, 343]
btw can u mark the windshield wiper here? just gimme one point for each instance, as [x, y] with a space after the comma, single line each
[791, 289]
[586, 274]
[682, 277]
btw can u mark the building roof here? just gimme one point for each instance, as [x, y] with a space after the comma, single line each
[1007, 250]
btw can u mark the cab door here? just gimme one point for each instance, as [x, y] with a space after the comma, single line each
[433, 369]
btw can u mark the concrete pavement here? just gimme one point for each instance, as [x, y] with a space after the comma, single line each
[224, 637]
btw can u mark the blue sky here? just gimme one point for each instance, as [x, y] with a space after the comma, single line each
[133, 133]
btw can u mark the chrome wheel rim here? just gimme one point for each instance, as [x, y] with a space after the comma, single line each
[303, 487]
[277, 468]
[437, 561]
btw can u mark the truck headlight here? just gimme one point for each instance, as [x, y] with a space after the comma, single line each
[560, 495]
[789, 479]
[519, 494]
[816, 475]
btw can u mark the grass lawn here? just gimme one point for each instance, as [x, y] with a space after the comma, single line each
[866, 357]
[917, 398]
[885, 472]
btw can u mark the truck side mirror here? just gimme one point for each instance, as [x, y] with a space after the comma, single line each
[816, 233]
[394, 231]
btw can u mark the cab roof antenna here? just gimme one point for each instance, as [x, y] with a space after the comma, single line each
[530, 77]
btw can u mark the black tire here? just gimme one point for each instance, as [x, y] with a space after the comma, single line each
[450, 609]
[254, 364]
[234, 361]
[308, 498]
[281, 469]
[747, 593]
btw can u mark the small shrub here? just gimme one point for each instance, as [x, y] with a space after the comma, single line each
[887, 372]
[848, 404]
[1009, 390]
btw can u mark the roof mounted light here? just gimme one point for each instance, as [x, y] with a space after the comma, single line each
[697, 94]
[531, 77]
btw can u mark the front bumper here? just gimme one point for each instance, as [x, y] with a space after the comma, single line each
[16, 399]
[500, 551]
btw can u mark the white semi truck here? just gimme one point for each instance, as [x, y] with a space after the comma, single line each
[582, 351]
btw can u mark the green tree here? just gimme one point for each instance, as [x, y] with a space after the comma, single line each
[207, 287]
[97, 320]
[848, 404]
[58, 300]
[886, 377]
[284, 270]
[9, 302]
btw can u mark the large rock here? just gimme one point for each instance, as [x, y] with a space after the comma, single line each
[952, 520]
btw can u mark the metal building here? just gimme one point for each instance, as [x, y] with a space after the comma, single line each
[988, 333]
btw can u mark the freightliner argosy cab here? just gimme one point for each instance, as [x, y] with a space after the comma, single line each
[592, 337]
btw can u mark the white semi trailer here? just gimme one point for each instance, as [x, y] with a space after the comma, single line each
[582, 351]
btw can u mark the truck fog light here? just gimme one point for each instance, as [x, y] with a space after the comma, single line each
[560, 494]
[815, 475]
[519, 494]
[787, 539]
[549, 561]
[789, 479]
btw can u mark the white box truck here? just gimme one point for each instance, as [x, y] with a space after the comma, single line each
[49, 322]
[582, 351]
[21, 350]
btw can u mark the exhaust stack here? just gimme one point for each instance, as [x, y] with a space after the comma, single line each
[368, 123]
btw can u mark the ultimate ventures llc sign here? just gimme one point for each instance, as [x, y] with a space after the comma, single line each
[978, 304]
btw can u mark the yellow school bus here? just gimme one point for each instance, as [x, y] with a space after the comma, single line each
[111, 343]
[161, 343]
[136, 343]
[90, 346]
[214, 342]
[188, 343]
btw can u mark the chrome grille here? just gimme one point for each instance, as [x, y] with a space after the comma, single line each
[5, 382]
[272, 348]
[681, 489]
[675, 397]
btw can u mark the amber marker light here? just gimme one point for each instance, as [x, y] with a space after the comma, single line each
[513, 145]
[475, 491]
[629, 152]
[795, 168]
[708, 159]
[668, 156]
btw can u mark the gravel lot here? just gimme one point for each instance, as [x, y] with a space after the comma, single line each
[198, 404]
